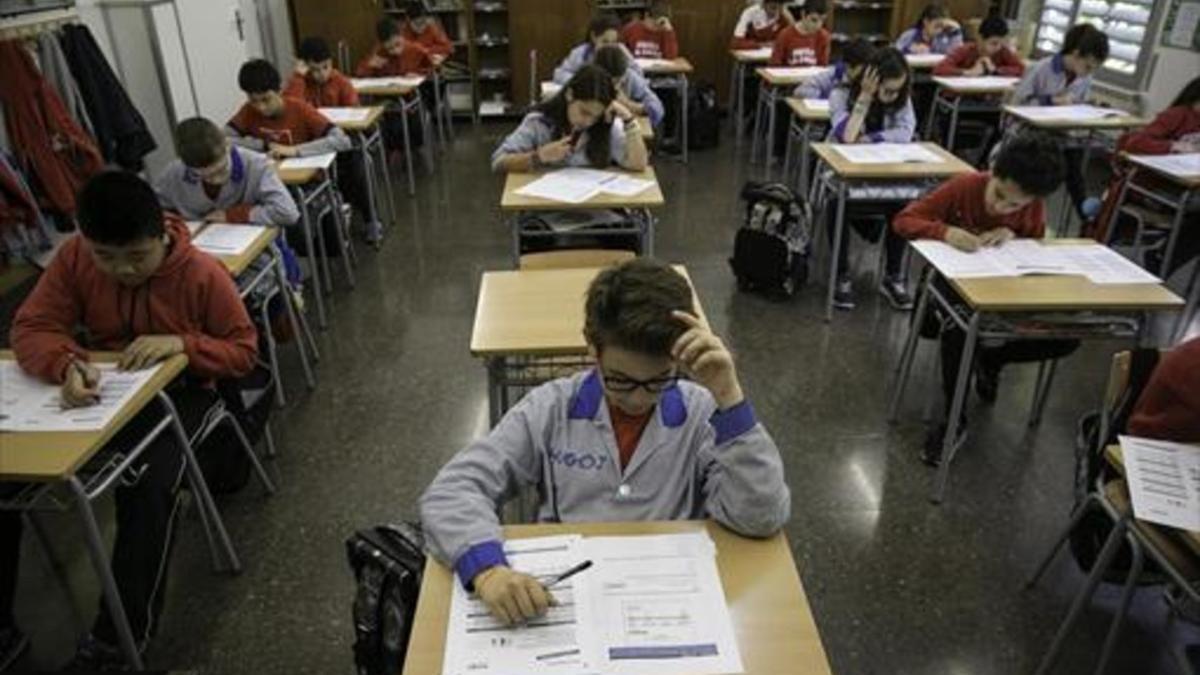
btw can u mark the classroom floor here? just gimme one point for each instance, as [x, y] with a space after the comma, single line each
[897, 585]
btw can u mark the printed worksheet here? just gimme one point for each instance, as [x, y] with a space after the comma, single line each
[222, 239]
[886, 153]
[924, 60]
[763, 53]
[1019, 257]
[1186, 165]
[312, 162]
[29, 404]
[346, 114]
[817, 104]
[380, 82]
[577, 185]
[1164, 481]
[987, 82]
[800, 73]
[1076, 113]
[651, 64]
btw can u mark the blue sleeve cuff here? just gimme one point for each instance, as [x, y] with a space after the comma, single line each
[477, 559]
[729, 424]
[839, 130]
[876, 137]
[1046, 100]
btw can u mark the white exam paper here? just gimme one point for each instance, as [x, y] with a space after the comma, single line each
[886, 153]
[763, 53]
[29, 404]
[817, 104]
[577, 185]
[550, 89]
[990, 82]
[336, 115]
[924, 59]
[1164, 481]
[1185, 165]
[381, 82]
[797, 73]
[313, 162]
[1081, 112]
[651, 64]
[1019, 257]
[222, 239]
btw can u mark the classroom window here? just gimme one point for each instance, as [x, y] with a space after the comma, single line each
[1128, 23]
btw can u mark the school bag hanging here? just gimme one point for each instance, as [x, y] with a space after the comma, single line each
[388, 562]
[704, 117]
[772, 247]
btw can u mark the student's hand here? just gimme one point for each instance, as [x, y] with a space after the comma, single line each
[996, 237]
[281, 151]
[618, 110]
[665, 24]
[215, 217]
[148, 350]
[631, 105]
[919, 48]
[512, 597]
[976, 70]
[81, 386]
[437, 59]
[870, 84]
[376, 61]
[555, 151]
[704, 358]
[962, 240]
[1062, 99]
[301, 68]
[989, 66]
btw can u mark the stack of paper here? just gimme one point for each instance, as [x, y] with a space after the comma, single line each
[28, 404]
[762, 53]
[220, 239]
[817, 104]
[987, 83]
[407, 81]
[654, 64]
[1075, 113]
[924, 60]
[1184, 165]
[344, 115]
[312, 162]
[649, 605]
[1164, 481]
[1019, 257]
[887, 153]
[575, 186]
[797, 74]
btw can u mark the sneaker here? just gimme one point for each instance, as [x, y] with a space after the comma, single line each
[1090, 208]
[13, 644]
[895, 289]
[843, 294]
[931, 453]
[374, 234]
[93, 655]
[987, 381]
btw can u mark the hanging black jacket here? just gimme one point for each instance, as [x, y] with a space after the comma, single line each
[119, 128]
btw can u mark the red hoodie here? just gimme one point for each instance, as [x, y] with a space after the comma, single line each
[649, 43]
[959, 202]
[793, 48]
[1169, 407]
[335, 92]
[1168, 126]
[964, 56]
[191, 295]
[433, 38]
[413, 60]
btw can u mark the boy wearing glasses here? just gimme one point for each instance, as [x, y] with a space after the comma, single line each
[626, 440]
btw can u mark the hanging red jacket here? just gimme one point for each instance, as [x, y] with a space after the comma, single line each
[58, 154]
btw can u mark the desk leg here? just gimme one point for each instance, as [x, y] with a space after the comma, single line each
[758, 122]
[1041, 391]
[908, 355]
[326, 274]
[955, 108]
[495, 378]
[515, 228]
[408, 163]
[735, 101]
[683, 122]
[345, 247]
[933, 110]
[381, 157]
[769, 141]
[1189, 310]
[835, 249]
[804, 151]
[112, 596]
[1111, 230]
[298, 323]
[364, 156]
[950, 442]
[437, 108]
[426, 132]
[648, 234]
[787, 152]
[1173, 238]
[313, 264]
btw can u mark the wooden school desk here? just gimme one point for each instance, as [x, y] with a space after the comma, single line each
[743, 61]
[406, 98]
[526, 315]
[810, 118]
[956, 95]
[995, 309]
[42, 460]
[672, 74]
[842, 176]
[922, 65]
[776, 84]
[367, 136]
[237, 266]
[772, 620]
[514, 205]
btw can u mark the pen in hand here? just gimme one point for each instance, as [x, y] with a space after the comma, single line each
[554, 581]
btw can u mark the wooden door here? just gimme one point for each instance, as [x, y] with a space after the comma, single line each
[350, 20]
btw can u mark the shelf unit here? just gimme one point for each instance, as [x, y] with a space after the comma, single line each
[1128, 23]
[868, 19]
[490, 59]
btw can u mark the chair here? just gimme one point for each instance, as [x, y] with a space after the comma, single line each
[1111, 498]
[574, 258]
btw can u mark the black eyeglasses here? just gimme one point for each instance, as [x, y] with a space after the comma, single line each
[625, 385]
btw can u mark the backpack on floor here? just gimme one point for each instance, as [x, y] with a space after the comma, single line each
[388, 562]
[704, 117]
[771, 249]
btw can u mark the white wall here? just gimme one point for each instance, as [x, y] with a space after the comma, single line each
[1172, 69]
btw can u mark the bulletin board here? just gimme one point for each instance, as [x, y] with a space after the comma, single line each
[1182, 26]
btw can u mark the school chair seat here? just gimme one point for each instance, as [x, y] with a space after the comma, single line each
[1164, 540]
[574, 258]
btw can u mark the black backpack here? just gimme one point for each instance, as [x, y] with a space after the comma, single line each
[771, 249]
[388, 562]
[704, 117]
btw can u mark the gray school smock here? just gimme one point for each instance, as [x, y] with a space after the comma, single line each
[1047, 79]
[692, 461]
[537, 130]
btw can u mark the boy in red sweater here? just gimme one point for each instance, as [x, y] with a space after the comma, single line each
[395, 55]
[133, 281]
[316, 81]
[422, 29]
[653, 36]
[990, 55]
[1169, 407]
[973, 211]
[760, 24]
[806, 42]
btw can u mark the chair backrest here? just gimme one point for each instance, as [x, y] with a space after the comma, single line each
[574, 258]
[343, 55]
[1118, 383]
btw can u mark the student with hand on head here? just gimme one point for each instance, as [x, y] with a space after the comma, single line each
[627, 440]
[316, 81]
[934, 33]
[990, 55]
[604, 30]
[760, 24]
[874, 107]
[652, 36]
[855, 56]
[582, 125]
[977, 210]
[131, 280]
[806, 42]
[286, 127]
[394, 55]
[422, 28]
[633, 92]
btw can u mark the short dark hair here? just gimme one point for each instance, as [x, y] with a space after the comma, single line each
[589, 83]
[415, 9]
[993, 26]
[629, 306]
[386, 28]
[1034, 161]
[1086, 40]
[932, 11]
[858, 52]
[659, 8]
[314, 50]
[602, 23]
[199, 142]
[612, 60]
[117, 208]
[258, 76]
[814, 7]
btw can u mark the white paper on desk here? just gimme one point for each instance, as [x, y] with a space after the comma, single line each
[1066, 112]
[1102, 265]
[924, 59]
[659, 606]
[312, 162]
[1019, 257]
[28, 404]
[817, 104]
[382, 82]
[194, 226]
[651, 64]
[557, 188]
[886, 153]
[222, 239]
[344, 115]
[760, 53]
[1183, 165]
[798, 73]
[1164, 481]
[476, 644]
[990, 82]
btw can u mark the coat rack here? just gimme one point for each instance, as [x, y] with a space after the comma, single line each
[25, 26]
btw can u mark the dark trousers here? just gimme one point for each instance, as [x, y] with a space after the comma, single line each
[865, 219]
[352, 183]
[147, 498]
[673, 109]
[1075, 178]
[393, 124]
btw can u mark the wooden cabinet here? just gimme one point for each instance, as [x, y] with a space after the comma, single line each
[907, 11]
[349, 21]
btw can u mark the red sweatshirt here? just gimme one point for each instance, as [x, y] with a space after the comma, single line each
[959, 202]
[1168, 126]
[433, 38]
[298, 123]
[649, 43]
[335, 92]
[964, 56]
[793, 48]
[413, 60]
[760, 36]
[1169, 407]
[190, 295]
